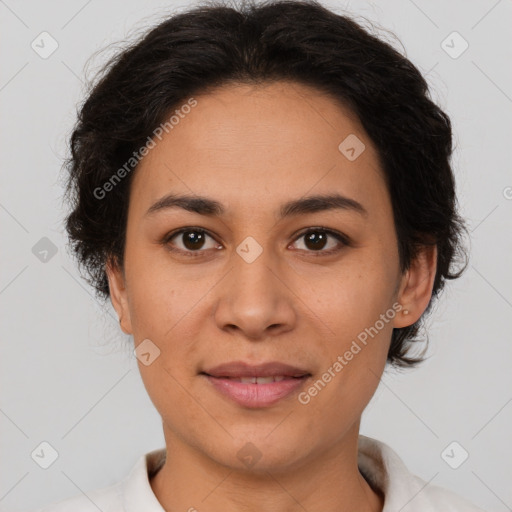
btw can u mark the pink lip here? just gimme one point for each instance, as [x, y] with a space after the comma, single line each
[256, 395]
[242, 369]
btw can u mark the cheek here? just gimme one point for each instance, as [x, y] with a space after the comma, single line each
[159, 297]
[355, 294]
[353, 361]
[168, 390]
[356, 304]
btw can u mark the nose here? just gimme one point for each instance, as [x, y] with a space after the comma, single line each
[255, 299]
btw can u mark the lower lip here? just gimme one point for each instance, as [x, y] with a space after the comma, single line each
[256, 395]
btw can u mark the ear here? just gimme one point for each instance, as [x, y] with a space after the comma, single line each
[416, 287]
[118, 295]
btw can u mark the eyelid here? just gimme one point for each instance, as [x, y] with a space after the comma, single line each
[169, 236]
[343, 239]
[340, 237]
[333, 232]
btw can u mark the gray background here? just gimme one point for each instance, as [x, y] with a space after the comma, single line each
[68, 373]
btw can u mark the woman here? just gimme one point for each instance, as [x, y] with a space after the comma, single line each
[265, 196]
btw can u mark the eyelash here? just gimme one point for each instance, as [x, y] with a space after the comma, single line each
[194, 254]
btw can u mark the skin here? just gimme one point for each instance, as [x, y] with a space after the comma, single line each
[253, 148]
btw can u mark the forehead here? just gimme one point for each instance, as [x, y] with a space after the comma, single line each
[248, 143]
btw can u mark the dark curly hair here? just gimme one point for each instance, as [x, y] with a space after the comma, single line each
[214, 44]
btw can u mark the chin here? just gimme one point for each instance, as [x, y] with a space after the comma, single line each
[263, 451]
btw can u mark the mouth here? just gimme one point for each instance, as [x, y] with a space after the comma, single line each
[242, 370]
[256, 386]
[257, 380]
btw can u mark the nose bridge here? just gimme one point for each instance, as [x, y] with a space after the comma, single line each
[255, 270]
[253, 296]
[253, 275]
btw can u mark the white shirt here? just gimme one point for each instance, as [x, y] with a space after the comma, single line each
[378, 463]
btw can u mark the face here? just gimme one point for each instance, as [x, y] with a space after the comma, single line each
[258, 282]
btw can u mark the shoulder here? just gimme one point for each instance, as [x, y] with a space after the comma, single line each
[434, 497]
[384, 469]
[131, 494]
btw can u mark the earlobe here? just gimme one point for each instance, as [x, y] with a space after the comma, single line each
[118, 295]
[416, 287]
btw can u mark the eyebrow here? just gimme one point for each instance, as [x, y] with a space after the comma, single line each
[210, 207]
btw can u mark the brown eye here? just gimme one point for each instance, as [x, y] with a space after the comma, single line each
[317, 239]
[193, 240]
[189, 241]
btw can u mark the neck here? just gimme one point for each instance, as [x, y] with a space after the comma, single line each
[328, 481]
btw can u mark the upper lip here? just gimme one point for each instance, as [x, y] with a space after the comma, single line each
[242, 369]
